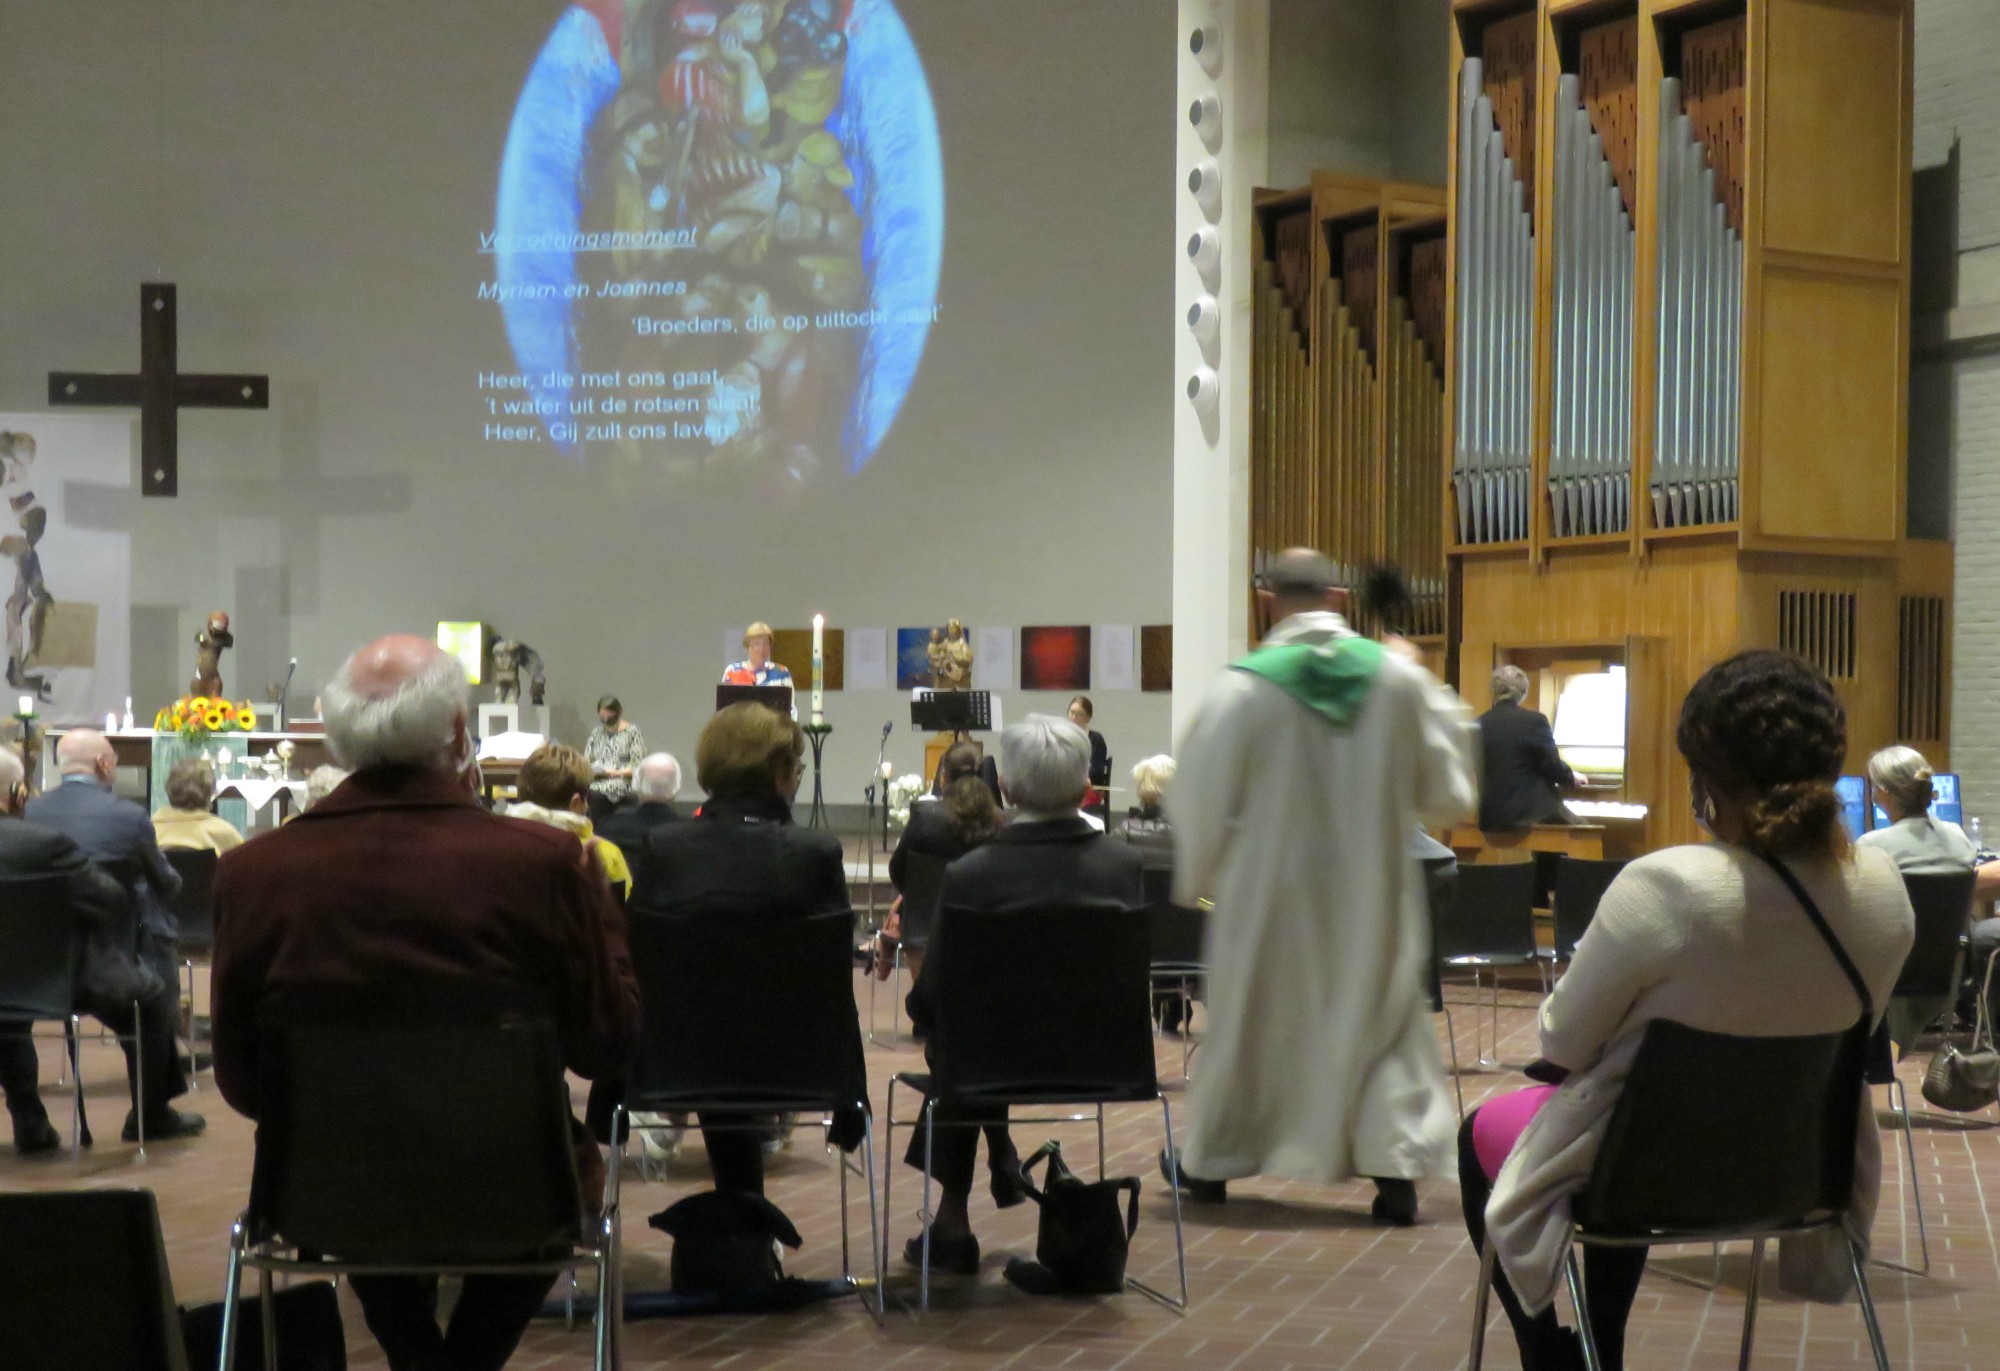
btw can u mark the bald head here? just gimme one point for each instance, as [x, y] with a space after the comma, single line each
[13, 794]
[1301, 579]
[86, 752]
[399, 701]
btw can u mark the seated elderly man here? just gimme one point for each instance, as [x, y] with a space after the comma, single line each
[118, 836]
[399, 881]
[185, 821]
[1050, 855]
[111, 978]
[656, 783]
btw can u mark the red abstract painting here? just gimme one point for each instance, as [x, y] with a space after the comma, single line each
[1055, 658]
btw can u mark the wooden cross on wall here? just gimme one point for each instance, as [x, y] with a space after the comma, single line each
[159, 391]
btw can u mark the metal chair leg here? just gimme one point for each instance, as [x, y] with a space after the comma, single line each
[1860, 1267]
[874, 1234]
[232, 1296]
[1100, 1142]
[1750, 1304]
[888, 1178]
[268, 1307]
[1586, 1334]
[1916, 1186]
[76, 1115]
[139, 1090]
[1451, 1039]
[930, 1140]
[1481, 1299]
[1180, 1238]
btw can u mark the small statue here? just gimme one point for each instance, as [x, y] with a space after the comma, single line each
[210, 644]
[937, 656]
[512, 661]
[955, 673]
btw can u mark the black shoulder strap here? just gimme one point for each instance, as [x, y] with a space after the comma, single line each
[1798, 890]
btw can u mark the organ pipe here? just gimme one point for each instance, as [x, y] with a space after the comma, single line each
[1696, 445]
[1496, 246]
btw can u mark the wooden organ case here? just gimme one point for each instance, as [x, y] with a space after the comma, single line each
[1675, 401]
[1347, 406]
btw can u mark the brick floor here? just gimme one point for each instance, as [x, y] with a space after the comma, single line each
[1284, 1275]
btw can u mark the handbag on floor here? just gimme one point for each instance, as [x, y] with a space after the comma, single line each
[1084, 1238]
[310, 1334]
[1966, 1082]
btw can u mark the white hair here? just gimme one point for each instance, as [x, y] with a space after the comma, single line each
[1903, 774]
[1509, 683]
[323, 781]
[1045, 763]
[12, 773]
[414, 726]
[658, 778]
[1151, 777]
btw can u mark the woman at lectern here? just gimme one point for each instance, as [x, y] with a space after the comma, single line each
[757, 669]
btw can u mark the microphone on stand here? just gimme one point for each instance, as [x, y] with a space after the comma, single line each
[887, 729]
[285, 696]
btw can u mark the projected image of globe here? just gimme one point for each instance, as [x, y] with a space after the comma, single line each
[718, 238]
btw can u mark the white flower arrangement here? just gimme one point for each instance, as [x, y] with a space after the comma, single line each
[903, 791]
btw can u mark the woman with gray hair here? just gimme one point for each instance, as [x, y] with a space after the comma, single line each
[1919, 843]
[185, 821]
[1522, 776]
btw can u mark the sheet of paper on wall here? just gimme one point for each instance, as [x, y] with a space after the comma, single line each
[868, 659]
[69, 637]
[1116, 647]
[993, 659]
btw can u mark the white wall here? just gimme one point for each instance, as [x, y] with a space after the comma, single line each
[1958, 96]
[313, 177]
[1359, 86]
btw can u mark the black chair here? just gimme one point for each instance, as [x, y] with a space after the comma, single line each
[40, 958]
[1719, 1139]
[410, 1141]
[1488, 924]
[1069, 1026]
[923, 884]
[1440, 880]
[1174, 936]
[87, 1285]
[1580, 886]
[1929, 980]
[785, 1041]
[194, 918]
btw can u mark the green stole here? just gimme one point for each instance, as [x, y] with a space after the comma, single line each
[1331, 678]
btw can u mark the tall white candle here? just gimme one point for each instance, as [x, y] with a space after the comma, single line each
[27, 706]
[819, 668]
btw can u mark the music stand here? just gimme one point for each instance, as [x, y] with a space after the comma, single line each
[775, 697]
[953, 711]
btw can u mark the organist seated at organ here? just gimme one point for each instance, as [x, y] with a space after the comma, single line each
[1522, 776]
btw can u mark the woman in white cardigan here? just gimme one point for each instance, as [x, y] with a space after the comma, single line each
[1709, 936]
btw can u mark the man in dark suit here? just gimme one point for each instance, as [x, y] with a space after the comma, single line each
[1521, 773]
[1049, 856]
[118, 835]
[400, 886]
[110, 977]
[743, 858]
[656, 782]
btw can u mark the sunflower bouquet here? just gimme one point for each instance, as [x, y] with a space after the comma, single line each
[194, 717]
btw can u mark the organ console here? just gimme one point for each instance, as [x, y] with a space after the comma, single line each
[1667, 400]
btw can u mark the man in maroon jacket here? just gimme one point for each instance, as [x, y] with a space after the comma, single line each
[397, 881]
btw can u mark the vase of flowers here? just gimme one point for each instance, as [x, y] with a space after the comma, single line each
[903, 791]
[195, 717]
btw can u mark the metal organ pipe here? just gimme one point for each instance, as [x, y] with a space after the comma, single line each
[1698, 431]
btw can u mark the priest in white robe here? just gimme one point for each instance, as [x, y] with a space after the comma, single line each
[1299, 783]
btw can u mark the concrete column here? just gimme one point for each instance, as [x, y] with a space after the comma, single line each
[1211, 569]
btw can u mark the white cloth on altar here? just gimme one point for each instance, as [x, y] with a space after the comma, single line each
[1320, 1062]
[257, 792]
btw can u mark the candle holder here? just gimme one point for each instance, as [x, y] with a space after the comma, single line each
[817, 733]
[26, 718]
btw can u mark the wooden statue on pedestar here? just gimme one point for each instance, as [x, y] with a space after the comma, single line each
[209, 646]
